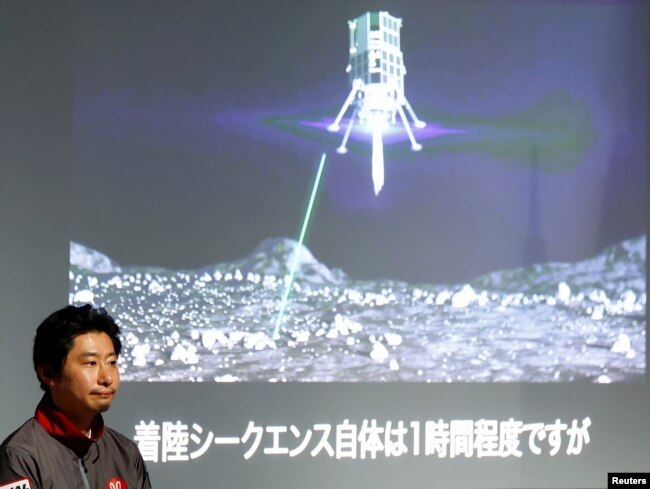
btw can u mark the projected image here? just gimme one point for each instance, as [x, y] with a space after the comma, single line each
[277, 217]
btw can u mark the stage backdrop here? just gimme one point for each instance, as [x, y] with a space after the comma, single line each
[350, 244]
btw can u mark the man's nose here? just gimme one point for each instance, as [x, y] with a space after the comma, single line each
[105, 375]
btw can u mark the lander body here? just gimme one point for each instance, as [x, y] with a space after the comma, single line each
[376, 73]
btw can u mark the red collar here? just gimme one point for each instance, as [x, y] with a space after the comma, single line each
[57, 425]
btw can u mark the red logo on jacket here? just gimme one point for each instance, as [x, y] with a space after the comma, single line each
[116, 483]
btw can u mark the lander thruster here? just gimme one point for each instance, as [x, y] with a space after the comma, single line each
[376, 72]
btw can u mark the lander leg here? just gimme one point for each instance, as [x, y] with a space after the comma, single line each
[416, 122]
[415, 146]
[342, 149]
[334, 126]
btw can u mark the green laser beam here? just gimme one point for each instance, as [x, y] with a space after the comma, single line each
[296, 253]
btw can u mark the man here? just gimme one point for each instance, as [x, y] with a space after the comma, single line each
[66, 445]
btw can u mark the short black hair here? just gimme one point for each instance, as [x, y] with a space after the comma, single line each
[55, 335]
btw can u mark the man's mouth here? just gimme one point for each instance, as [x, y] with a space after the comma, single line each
[104, 393]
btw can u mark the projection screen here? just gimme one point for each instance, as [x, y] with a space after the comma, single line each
[354, 244]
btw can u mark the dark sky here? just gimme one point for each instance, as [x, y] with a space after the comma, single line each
[191, 148]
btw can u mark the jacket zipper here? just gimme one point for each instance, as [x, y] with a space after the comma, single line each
[83, 473]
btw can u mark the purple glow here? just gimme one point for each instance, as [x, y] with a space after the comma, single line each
[393, 133]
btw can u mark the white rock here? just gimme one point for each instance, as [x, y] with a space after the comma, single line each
[301, 336]
[354, 296]
[235, 337]
[226, 378]
[178, 353]
[597, 313]
[186, 355]
[628, 299]
[116, 282]
[140, 350]
[210, 337]
[464, 297]
[381, 300]
[139, 354]
[563, 292]
[379, 352]
[131, 339]
[622, 344]
[442, 297]
[154, 287]
[340, 323]
[354, 326]
[345, 326]
[393, 339]
[394, 365]
[257, 341]
[332, 333]
[139, 361]
[85, 296]
[192, 357]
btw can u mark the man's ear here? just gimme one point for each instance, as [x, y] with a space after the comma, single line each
[46, 374]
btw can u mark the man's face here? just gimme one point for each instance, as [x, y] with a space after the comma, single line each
[89, 379]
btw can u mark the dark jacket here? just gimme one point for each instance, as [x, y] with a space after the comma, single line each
[49, 452]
